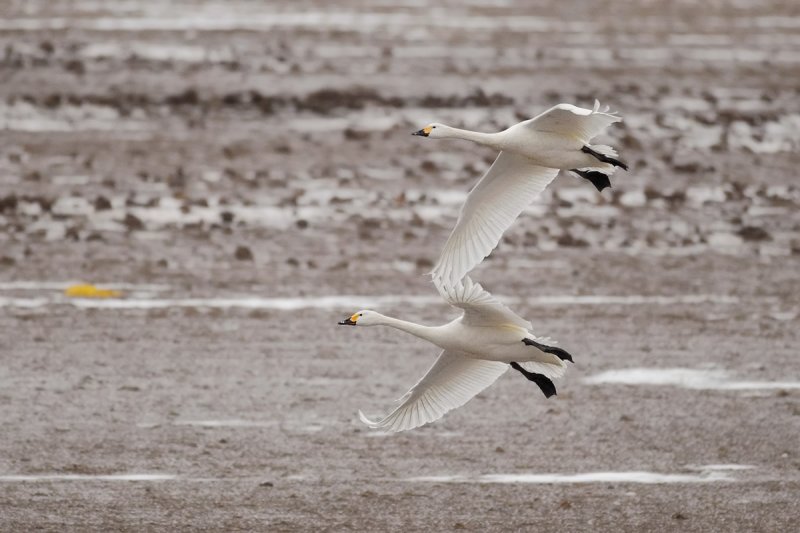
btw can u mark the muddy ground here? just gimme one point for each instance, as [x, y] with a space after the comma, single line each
[228, 164]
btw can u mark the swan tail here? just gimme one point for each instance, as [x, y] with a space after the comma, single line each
[604, 149]
[553, 369]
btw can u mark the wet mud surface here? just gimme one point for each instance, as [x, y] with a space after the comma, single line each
[244, 174]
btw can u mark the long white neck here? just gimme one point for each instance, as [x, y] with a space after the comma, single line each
[487, 139]
[427, 333]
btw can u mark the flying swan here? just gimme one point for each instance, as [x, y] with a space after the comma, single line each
[531, 154]
[477, 348]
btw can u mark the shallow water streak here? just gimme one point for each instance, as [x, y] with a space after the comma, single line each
[236, 423]
[88, 477]
[688, 378]
[644, 477]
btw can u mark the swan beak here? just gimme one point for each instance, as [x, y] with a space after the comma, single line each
[424, 132]
[348, 322]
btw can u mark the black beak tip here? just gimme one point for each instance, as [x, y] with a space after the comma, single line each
[347, 322]
[421, 133]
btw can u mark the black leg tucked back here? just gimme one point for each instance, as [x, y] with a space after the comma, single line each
[604, 158]
[544, 383]
[598, 179]
[558, 352]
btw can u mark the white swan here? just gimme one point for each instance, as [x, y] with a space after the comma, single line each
[478, 347]
[531, 154]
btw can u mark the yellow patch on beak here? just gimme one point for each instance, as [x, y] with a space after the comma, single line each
[427, 130]
[354, 318]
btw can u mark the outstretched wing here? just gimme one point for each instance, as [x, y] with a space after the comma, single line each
[480, 307]
[508, 187]
[572, 121]
[452, 381]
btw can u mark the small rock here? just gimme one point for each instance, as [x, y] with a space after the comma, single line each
[243, 253]
[266, 484]
[75, 66]
[568, 240]
[101, 203]
[133, 223]
[355, 135]
[424, 263]
[428, 166]
[679, 516]
[8, 203]
[754, 233]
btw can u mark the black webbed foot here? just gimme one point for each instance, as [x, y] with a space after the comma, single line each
[598, 179]
[544, 383]
[558, 352]
[604, 158]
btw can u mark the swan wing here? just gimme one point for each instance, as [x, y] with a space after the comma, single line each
[572, 121]
[452, 381]
[508, 187]
[480, 307]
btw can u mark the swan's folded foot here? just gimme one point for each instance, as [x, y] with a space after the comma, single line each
[598, 179]
[544, 383]
[604, 158]
[558, 352]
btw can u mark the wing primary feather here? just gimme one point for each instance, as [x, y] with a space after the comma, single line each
[506, 189]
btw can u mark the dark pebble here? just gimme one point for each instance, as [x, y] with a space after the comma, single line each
[243, 253]
[133, 223]
[101, 203]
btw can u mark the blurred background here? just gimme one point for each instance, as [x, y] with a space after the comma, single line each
[242, 175]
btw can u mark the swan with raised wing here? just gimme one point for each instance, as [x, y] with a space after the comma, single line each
[477, 348]
[531, 155]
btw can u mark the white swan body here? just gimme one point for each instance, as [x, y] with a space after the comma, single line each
[542, 148]
[477, 349]
[531, 155]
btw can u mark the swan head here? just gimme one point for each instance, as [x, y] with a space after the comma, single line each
[364, 317]
[434, 131]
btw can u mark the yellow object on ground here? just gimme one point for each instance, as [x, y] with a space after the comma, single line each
[90, 291]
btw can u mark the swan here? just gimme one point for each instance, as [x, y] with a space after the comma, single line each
[477, 348]
[531, 154]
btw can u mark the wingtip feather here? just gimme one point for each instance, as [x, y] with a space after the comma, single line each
[371, 423]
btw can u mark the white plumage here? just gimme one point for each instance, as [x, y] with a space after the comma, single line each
[531, 155]
[477, 349]
[453, 380]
